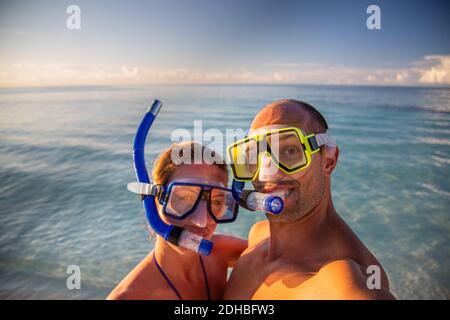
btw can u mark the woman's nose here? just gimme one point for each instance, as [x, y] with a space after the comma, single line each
[200, 216]
[268, 170]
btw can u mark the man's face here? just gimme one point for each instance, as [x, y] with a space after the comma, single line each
[302, 190]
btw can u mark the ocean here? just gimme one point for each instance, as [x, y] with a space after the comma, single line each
[65, 160]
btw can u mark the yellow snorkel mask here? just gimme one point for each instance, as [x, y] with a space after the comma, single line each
[288, 148]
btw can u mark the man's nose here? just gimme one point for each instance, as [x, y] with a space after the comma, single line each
[268, 170]
[200, 216]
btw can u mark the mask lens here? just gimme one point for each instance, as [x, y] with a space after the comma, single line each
[287, 149]
[222, 204]
[245, 159]
[182, 199]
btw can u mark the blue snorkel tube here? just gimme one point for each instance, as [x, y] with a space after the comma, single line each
[175, 235]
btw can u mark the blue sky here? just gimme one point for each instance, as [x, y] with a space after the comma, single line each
[248, 41]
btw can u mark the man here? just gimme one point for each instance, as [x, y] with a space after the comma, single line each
[307, 251]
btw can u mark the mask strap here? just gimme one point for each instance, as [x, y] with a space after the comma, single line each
[321, 139]
[145, 188]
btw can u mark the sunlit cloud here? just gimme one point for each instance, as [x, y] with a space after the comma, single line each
[438, 71]
[431, 70]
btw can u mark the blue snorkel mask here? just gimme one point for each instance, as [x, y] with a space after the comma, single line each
[173, 234]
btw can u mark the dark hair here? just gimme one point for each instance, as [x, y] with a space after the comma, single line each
[319, 122]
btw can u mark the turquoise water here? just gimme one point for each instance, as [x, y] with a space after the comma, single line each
[65, 159]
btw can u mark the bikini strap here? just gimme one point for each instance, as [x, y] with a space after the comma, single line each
[171, 284]
[206, 278]
[167, 278]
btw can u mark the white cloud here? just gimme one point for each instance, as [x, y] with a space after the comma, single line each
[31, 74]
[438, 71]
[431, 70]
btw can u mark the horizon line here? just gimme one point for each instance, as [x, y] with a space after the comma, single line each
[431, 86]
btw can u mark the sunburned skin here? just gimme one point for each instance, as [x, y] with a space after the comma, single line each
[308, 251]
[181, 265]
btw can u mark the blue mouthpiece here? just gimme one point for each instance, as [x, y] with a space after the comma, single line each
[273, 204]
[205, 247]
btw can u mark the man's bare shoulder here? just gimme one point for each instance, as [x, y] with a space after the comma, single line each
[341, 279]
[247, 272]
[260, 231]
[252, 257]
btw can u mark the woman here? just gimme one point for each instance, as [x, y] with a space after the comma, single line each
[197, 200]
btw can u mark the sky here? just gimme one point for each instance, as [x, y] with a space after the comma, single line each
[246, 41]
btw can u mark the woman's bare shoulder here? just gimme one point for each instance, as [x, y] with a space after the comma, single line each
[140, 283]
[224, 242]
[228, 248]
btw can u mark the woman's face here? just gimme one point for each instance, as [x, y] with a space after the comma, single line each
[200, 221]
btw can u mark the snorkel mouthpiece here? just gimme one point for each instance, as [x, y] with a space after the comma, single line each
[195, 243]
[175, 235]
[188, 240]
[253, 200]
